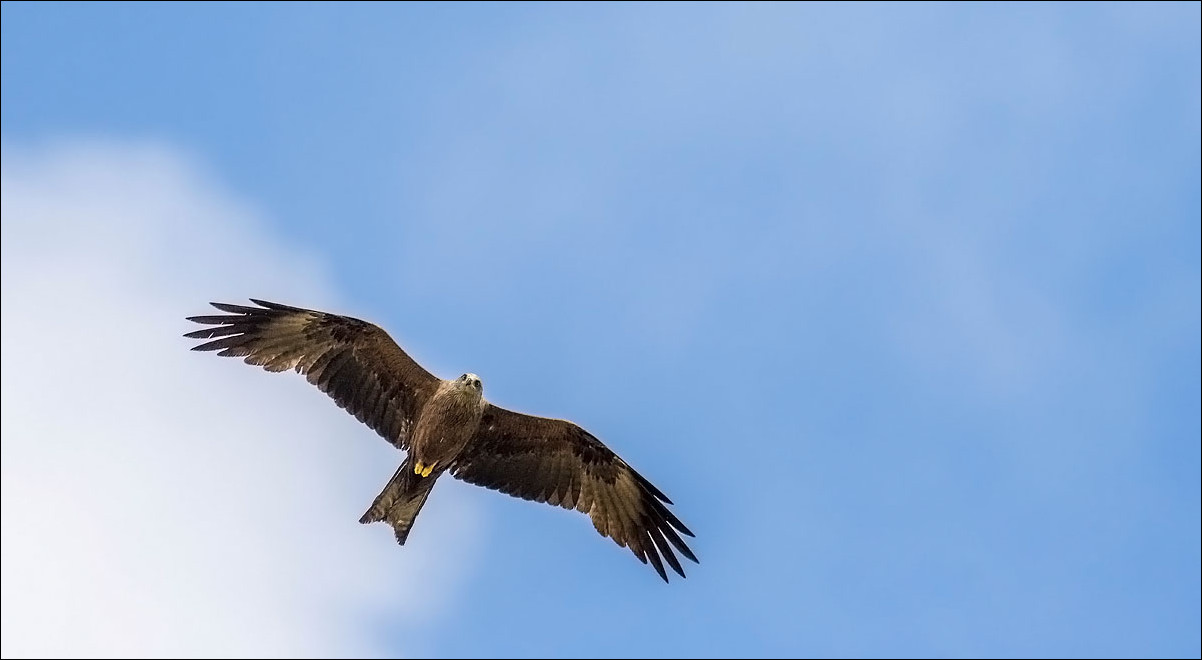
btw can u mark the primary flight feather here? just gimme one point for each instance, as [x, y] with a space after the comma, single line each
[447, 426]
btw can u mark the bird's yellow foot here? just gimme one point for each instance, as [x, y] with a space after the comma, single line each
[426, 471]
[417, 468]
[422, 470]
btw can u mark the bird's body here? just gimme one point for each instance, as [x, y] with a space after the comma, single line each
[448, 421]
[448, 426]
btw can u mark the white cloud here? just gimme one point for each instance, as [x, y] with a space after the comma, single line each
[158, 501]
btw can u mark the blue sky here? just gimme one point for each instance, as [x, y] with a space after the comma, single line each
[899, 303]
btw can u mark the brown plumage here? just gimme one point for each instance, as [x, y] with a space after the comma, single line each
[447, 426]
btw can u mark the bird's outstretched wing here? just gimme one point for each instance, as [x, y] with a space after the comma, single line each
[353, 361]
[557, 462]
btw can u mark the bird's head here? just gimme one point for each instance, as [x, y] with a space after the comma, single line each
[472, 381]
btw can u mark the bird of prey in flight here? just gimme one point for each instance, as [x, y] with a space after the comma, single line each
[448, 426]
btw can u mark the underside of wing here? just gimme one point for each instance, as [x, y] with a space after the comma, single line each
[355, 362]
[557, 462]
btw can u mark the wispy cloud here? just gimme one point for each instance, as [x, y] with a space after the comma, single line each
[159, 502]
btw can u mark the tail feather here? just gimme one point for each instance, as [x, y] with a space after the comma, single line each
[401, 500]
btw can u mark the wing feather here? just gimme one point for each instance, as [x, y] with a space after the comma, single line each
[555, 461]
[355, 362]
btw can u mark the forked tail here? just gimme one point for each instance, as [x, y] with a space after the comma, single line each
[401, 500]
